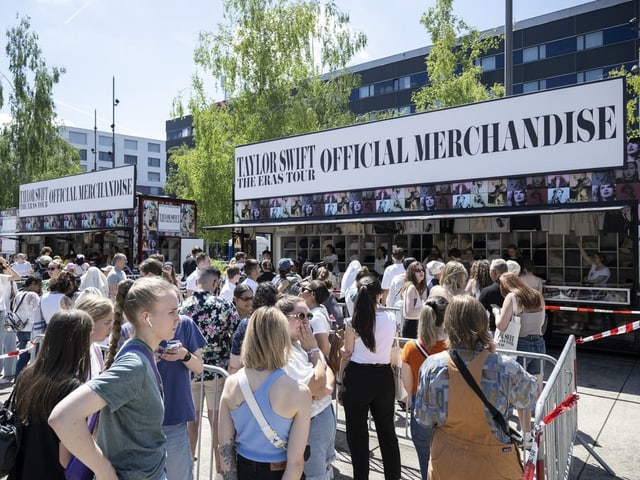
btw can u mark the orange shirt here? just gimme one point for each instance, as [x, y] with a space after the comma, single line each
[412, 355]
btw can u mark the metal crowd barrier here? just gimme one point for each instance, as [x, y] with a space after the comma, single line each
[558, 437]
[556, 443]
[208, 463]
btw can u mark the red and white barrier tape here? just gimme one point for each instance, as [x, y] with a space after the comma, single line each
[557, 308]
[17, 353]
[566, 405]
[629, 327]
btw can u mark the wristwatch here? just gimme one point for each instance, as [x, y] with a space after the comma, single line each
[187, 357]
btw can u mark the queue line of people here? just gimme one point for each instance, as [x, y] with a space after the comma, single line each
[365, 367]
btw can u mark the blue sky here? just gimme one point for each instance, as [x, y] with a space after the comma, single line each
[148, 46]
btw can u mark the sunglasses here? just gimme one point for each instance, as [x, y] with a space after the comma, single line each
[52, 268]
[419, 270]
[306, 289]
[246, 299]
[301, 316]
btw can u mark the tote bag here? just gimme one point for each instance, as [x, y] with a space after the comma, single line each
[508, 340]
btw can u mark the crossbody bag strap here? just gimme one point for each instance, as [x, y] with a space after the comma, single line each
[269, 432]
[466, 374]
[421, 348]
[514, 306]
[20, 302]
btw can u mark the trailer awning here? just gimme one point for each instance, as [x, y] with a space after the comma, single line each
[509, 212]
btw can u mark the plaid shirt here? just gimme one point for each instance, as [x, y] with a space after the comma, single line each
[217, 320]
[504, 382]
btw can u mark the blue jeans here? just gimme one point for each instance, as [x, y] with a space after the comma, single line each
[322, 441]
[531, 365]
[23, 340]
[7, 344]
[179, 460]
[421, 438]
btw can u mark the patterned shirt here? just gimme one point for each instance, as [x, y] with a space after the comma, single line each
[504, 382]
[217, 320]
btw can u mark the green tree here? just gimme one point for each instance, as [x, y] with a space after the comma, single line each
[632, 96]
[30, 146]
[454, 75]
[271, 57]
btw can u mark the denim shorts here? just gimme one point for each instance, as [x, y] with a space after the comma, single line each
[531, 365]
[322, 437]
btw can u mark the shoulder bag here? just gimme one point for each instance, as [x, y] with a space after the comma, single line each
[513, 434]
[75, 469]
[13, 322]
[508, 340]
[10, 435]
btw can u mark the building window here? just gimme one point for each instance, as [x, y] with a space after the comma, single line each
[104, 141]
[153, 147]
[130, 144]
[534, 86]
[153, 176]
[488, 63]
[405, 82]
[561, 47]
[593, 40]
[130, 160]
[174, 134]
[77, 138]
[531, 54]
[83, 154]
[381, 88]
[104, 156]
[365, 91]
[153, 162]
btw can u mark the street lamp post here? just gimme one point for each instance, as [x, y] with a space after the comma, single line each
[95, 139]
[508, 48]
[114, 104]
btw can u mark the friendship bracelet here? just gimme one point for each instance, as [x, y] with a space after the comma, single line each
[312, 351]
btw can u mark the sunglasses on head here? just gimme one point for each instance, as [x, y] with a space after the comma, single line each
[301, 316]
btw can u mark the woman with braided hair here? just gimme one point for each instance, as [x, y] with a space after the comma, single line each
[130, 442]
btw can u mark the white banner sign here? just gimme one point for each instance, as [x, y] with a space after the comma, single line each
[569, 129]
[169, 218]
[112, 189]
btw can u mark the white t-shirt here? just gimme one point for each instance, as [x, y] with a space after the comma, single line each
[300, 369]
[384, 334]
[320, 321]
[394, 290]
[24, 269]
[5, 291]
[226, 291]
[251, 283]
[390, 273]
[191, 280]
[29, 310]
[333, 260]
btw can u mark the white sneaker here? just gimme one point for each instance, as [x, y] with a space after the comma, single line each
[527, 440]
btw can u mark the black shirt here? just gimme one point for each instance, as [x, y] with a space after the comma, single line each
[491, 296]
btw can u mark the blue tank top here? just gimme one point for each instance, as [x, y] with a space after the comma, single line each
[251, 442]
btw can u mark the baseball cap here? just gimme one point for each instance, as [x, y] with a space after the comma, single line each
[285, 264]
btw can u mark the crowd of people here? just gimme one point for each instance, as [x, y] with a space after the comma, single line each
[272, 330]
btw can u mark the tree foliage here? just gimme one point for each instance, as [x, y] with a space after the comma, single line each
[30, 146]
[632, 96]
[281, 63]
[454, 75]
